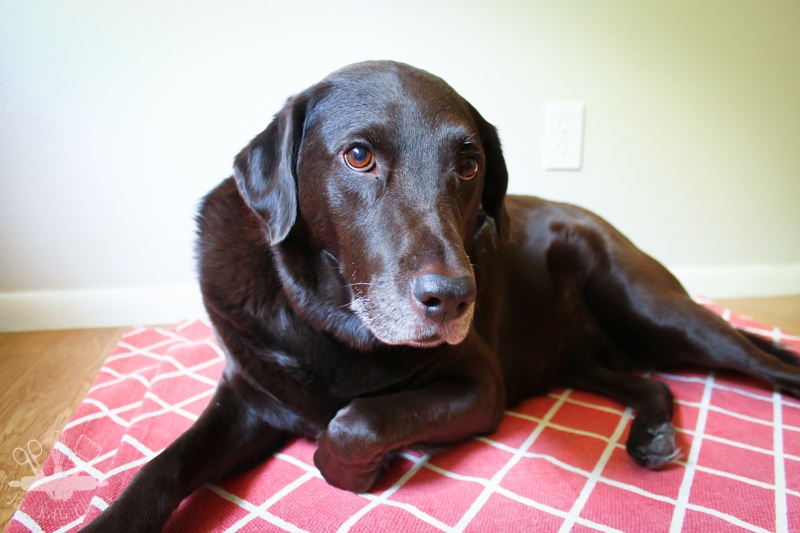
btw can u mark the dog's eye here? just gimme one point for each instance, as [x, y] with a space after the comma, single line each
[468, 168]
[359, 158]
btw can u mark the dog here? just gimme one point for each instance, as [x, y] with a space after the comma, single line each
[375, 289]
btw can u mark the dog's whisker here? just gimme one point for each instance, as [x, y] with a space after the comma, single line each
[331, 256]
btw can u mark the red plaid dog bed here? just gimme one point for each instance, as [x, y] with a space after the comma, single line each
[557, 463]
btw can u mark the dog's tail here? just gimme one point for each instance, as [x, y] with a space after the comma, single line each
[773, 347]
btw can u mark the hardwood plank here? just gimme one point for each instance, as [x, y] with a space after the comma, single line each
[45, 375]
[783, 311]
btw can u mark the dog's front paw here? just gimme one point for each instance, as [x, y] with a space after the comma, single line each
[652, 444]
[355, 477]
[347, 456]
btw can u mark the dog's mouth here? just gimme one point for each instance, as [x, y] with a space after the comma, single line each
[450, 334]
[427, 342]
[424, 311]
[402, 327]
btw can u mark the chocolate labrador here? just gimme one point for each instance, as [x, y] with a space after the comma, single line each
[375, 289]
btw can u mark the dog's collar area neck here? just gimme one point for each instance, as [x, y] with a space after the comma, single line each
[305, 300]
[484, 220]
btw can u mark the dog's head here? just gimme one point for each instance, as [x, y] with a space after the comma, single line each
[386, 169]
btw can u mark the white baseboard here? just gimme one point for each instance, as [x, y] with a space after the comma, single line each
[94, 308]
[740, 281]
[169, 304]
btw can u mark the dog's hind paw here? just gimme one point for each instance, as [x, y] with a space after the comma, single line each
[653, 447]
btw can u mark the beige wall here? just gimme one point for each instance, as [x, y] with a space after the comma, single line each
[117, 117]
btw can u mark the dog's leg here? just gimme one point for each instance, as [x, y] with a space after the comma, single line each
[229, 437]
[648, 314]
[662, 327]
[702, 337]
[651, 441]
[353, 450]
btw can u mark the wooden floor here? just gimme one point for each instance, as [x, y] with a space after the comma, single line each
[44, 377]
[46, 374]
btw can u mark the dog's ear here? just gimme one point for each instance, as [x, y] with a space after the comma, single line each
[496, 181]
[266, 170]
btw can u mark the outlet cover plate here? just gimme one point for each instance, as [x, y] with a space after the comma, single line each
[563, 136]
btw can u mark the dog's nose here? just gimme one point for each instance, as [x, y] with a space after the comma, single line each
[444, 298]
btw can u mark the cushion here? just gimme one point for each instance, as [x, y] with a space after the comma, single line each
[557, 462]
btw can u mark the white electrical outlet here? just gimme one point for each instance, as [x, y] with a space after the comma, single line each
[563, 136]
